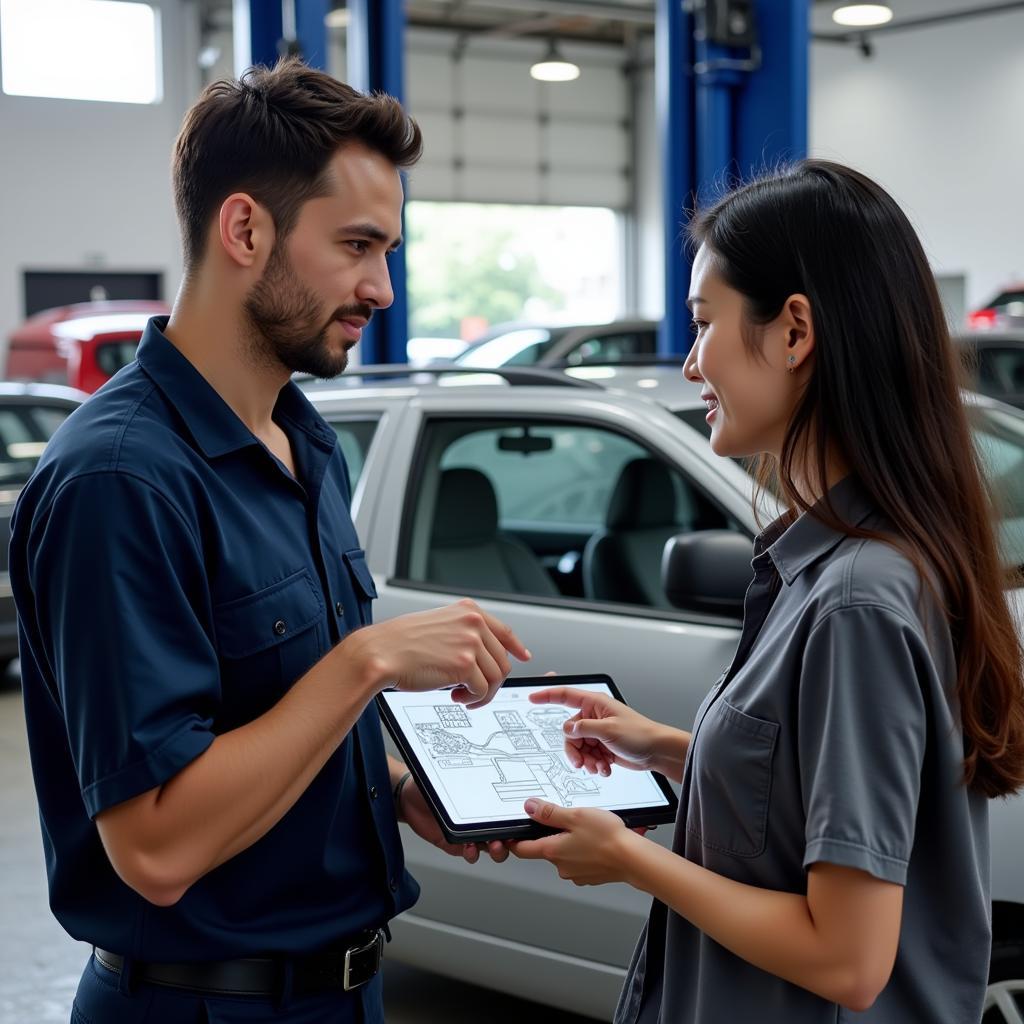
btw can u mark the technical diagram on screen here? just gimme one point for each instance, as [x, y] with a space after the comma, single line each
[476, 767]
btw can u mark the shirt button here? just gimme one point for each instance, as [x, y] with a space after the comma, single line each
[339, 608]
[280, 628]
[394, 885]
[373, 792]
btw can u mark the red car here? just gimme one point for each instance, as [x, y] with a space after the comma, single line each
[82, 345]
[1004, 310]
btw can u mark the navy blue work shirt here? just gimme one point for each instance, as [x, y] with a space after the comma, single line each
[173, 580]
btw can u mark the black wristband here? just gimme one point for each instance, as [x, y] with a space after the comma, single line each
[397, 791]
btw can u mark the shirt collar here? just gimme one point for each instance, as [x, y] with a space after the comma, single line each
[211, 421]
[795, 546]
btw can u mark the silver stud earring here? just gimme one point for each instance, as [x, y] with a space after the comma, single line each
[792, 363]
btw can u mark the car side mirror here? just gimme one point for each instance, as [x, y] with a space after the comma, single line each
[708, 571]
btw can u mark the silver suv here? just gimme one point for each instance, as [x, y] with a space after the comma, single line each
[549, 499]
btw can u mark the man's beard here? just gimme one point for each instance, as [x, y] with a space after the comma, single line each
[286, 323]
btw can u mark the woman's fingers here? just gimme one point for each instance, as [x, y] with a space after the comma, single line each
[568, 696]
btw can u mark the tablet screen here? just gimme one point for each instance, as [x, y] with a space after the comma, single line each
[484, 763]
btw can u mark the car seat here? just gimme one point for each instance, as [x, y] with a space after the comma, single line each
[622, 562]
[467, 548]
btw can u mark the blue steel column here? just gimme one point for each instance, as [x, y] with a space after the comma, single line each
[716, 87]
[376, 64]
[311, 31]
[674, 98]
[257, 27]
[771, 115]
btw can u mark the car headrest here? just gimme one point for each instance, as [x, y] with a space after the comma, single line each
[643, 497]
[466, 510]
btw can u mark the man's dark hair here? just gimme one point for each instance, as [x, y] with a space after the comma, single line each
[271, 134]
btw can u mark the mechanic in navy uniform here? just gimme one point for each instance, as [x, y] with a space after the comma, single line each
[219, 813]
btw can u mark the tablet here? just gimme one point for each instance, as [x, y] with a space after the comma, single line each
[476, 767]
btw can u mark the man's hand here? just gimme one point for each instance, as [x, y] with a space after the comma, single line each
[594, 846]
[414, 811]
[461, 646]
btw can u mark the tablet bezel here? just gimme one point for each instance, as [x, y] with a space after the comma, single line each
[517, 828]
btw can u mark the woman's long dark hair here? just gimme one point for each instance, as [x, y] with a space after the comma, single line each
[884, 394]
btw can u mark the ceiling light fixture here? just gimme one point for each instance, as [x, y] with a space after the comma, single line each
[554, 67]
[862, 15]
[338, 16]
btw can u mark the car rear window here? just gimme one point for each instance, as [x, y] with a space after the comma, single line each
[24, 432]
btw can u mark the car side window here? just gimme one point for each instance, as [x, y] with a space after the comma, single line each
[24, 432]
[354, 438]
[613, 348]
[527, 506]
[1001, 370]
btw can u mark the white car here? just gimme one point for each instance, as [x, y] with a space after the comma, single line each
[549, 499]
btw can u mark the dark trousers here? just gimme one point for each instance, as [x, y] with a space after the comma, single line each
[99, 1000]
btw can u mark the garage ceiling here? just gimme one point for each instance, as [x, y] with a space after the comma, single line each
[613, 21]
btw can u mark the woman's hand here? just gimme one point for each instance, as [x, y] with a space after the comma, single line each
[594, 846]
[604, 732]
[415, 812]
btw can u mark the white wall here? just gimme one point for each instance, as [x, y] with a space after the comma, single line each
[935, 116]
[88, 184]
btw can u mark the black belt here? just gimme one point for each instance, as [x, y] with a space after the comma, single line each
[338, 969]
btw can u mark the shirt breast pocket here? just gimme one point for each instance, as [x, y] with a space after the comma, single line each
[363, 587]
[731, 781]
[266, 640]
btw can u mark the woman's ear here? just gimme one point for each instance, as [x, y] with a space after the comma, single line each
[246, 231]
[796, 326]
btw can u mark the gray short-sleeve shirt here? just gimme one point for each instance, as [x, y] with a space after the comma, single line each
[833, 736]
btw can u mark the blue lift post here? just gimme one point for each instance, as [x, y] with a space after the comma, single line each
[258, 26]
[723, 113]
[376, 64]
[674, 94]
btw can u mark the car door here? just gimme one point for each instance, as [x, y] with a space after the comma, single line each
[27, 423]
[663, 661]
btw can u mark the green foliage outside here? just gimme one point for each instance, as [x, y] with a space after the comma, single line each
[471, 260]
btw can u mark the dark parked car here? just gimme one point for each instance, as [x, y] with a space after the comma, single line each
[995, 363]
[563, 345]
[82, 345]
[29, 414]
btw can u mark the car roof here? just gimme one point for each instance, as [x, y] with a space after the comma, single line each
[659, 383]
[663, 384]
[557, 330]
[18, 389]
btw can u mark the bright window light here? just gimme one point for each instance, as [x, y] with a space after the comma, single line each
[106, 50]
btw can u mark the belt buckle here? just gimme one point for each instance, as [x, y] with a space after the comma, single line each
[362, 962]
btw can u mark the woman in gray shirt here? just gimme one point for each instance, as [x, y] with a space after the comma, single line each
[830, 859]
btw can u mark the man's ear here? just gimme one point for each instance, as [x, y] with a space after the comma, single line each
[796, 326]
[245, 231]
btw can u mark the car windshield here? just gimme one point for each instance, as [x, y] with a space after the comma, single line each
[1015, 295]
[999, 438]
[523, 347]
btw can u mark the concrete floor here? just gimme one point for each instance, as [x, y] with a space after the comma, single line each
[40, 965]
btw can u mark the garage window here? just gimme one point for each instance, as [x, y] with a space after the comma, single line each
[104, 50]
